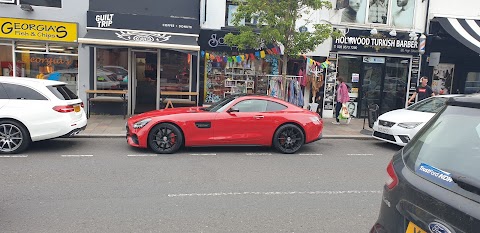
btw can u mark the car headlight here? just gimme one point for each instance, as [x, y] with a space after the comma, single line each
[315, 120]
[409, 125]
[141, 124]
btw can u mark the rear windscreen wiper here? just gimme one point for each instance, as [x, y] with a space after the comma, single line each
[470, 184]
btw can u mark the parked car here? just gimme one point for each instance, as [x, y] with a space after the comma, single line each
[400, 126]
[433, 183]
[236, 120]
[36, 109]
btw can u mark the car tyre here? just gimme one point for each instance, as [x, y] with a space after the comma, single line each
[288, 138]
[165, 138]
[14, 137]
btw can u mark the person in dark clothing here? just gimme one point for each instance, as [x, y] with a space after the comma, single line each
[423, 91]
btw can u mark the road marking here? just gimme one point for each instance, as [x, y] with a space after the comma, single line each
[259, 154]
[275, 193]
[360, 154]
[77, 155]
[13, 156]
[205, 154]
[143, 155]
[311, 154]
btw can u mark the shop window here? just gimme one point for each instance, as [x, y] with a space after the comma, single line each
[7, 1]
[112, 69]
[20, 92]
[472, 85]
[175, 71]
[396, 13]
[6, 60]
[47, 3]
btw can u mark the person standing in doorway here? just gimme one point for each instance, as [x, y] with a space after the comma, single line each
[423, 91]
[342, 97]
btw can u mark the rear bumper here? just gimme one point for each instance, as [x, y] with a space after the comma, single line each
[74, 132]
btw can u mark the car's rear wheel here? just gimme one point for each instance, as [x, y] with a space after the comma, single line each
[288, 138]
[165, 138]
[14, 137]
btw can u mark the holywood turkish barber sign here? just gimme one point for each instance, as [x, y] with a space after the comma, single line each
[382, 42]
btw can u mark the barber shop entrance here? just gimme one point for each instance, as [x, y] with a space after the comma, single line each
[383, 71]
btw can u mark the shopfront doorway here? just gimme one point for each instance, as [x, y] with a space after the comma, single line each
[145, 80]
[375, 80]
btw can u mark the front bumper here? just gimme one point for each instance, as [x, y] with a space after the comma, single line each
[395, 134]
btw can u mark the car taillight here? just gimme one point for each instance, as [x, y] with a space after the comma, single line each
[66, 108]
[392, 179]
[81, 104]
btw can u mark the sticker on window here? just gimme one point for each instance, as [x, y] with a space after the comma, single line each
[434, 174]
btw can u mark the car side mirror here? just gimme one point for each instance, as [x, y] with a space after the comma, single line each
[233, 109]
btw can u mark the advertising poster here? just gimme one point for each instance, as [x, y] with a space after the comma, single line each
[443, 78]
[353, 11]
[377, 11]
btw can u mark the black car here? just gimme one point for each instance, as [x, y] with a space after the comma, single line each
[433, 183]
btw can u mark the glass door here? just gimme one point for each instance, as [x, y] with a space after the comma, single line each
[145, 80]
[371, 89]
[394, 92]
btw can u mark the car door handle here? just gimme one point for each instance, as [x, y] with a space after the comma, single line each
[258, 117]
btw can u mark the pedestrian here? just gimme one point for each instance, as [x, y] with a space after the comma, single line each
[423, 91]
[342, 97]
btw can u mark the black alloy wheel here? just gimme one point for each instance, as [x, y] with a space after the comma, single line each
[14, 137]
[165, 138]
[288, 139]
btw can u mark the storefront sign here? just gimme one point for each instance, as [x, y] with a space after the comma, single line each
[363, 41]
[142, 22]
[26, 29]
[214, 40]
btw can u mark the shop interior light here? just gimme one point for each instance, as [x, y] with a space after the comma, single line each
[57, 49]
[393, 32]
[32, 48]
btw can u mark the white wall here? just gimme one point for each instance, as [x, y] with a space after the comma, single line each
[467, 9]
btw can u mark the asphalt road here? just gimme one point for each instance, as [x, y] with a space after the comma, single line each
[103, 185]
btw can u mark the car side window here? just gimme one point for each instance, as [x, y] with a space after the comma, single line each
[3, 93]
[274, 106]
[15, 91]
[252, 106]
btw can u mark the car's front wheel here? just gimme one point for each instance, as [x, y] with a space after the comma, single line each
[14, 137]
[165, 138]
[288, 138]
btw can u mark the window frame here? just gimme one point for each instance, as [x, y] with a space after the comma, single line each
[19, 2]
[276, 103]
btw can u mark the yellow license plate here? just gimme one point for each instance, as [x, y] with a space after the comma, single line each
[76, 108]
[412, 228]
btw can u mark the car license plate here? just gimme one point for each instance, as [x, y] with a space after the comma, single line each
[76, 108]
[383, 129]
[412, 228]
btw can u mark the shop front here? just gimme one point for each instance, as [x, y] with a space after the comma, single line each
[228, 71]
[143, 55]
[378, 69]
[452, 55]
[39, 49]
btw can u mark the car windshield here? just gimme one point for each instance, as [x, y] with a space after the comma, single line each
[432, 105]
[220, 105]
[451, 143]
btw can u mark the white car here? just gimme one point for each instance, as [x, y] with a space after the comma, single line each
[36, 109]
[400, 126]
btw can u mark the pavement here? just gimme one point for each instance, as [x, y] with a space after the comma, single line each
[114, 126]
[104, 185]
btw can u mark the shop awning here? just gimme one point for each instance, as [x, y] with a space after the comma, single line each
[467, 31]
[133, 38]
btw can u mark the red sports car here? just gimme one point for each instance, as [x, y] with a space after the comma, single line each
[236, 120]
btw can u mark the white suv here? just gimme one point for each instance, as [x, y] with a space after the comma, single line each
[34, 110]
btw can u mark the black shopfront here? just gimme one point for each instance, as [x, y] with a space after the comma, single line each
[144, 48]
[379, 69]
